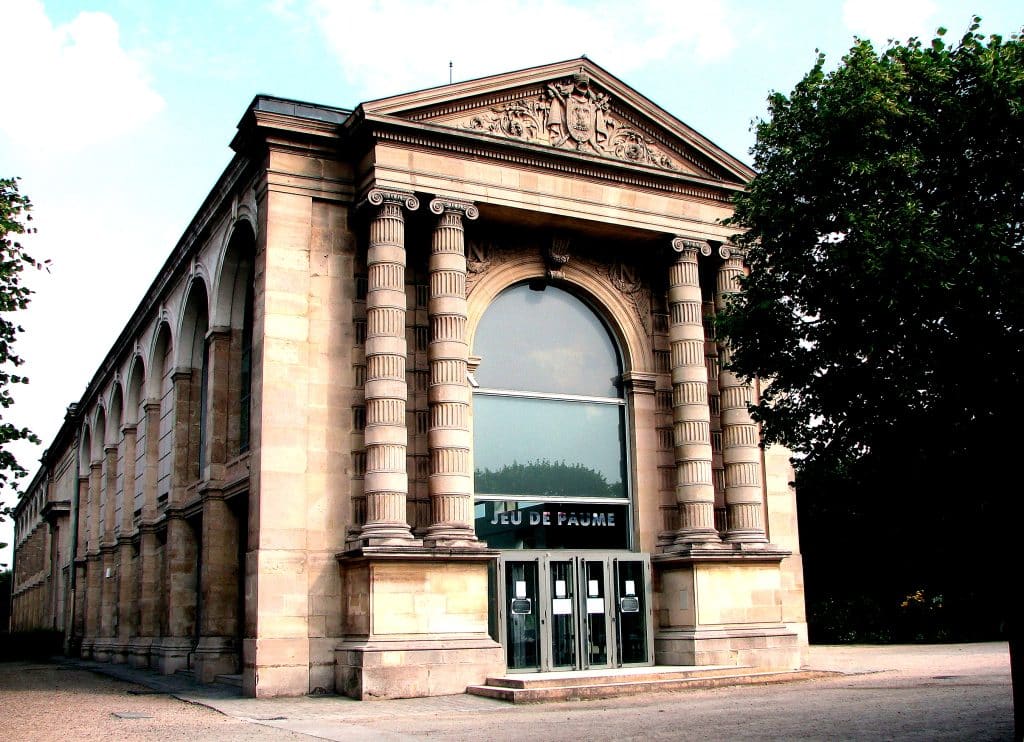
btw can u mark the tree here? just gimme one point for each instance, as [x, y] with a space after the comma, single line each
[885, 239]
[15, 215]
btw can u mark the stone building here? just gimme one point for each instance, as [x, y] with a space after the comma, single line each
[427, 391]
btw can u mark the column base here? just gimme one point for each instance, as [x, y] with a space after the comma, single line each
[709, 539]
[409, 668]
[213, 656]
[86, 648]
[745, 537]
[139, 650]
[170, 654]
[441, 537]
[119, 651]
[103, 649]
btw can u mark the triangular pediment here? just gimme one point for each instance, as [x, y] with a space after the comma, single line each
[573, 106]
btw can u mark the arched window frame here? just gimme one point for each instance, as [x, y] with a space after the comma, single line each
[491, 501]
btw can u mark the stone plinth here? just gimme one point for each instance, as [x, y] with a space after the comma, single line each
[139, 651]
[213, 656]
[170, 654]
[415, 623]
[724, 607]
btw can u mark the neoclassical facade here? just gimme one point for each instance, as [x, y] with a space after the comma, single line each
[428, 391]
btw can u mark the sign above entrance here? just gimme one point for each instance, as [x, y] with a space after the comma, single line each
[533, 525]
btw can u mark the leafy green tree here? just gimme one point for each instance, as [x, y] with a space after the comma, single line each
[543, 477]
[885, 302]
[15, 215]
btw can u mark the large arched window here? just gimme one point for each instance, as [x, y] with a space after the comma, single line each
[549, 425]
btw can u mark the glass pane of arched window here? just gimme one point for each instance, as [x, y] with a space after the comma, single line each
[548, 447]
[545, 341]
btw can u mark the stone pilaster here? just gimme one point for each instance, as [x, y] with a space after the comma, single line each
[93, 563]
[695, 492]
[148, 575]
[95, 498]
[148, 567]
[91, 632]
[180, 551]
[448, 434]
[741, 454]
[182, 464]
[386, 483]
[180, 590]
[129, 440]
[109, 495]
[216, 653]
[218, 370]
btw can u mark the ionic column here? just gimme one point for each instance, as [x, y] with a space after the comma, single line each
[386, 482]
[448, 434]
[691, 417]
[741, 454]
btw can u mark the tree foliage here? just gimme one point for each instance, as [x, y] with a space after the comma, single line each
[543, 477]
[885, 304]
[885, 231]
[15, 216]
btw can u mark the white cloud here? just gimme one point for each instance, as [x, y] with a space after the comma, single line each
[881, 20]
[70, 86]
[391, 46]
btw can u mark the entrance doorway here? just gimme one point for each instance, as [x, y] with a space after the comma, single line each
[574, 610]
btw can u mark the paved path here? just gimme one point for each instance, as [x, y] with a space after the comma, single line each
[929, 692]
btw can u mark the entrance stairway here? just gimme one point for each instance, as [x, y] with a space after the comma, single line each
[579, 686]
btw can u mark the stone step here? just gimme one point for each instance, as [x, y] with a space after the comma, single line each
[185, 673]
[614, 687]
[232, 680]
[604, 677]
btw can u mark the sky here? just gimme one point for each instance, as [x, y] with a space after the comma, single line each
[117, 114]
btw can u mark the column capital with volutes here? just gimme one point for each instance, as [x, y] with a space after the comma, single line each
[442, 204]
[682, 243]
[379, 196]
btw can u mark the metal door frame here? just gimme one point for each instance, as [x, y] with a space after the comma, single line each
[612, 606]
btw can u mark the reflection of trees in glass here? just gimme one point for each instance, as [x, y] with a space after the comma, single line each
[543, 477]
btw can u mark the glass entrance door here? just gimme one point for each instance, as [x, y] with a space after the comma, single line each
[574, 610]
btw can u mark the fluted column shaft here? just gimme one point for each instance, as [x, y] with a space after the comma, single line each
[691, 417]
[448, 434]
[386, 483]
[741, 454]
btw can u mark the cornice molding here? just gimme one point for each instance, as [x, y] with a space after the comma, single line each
[541, 157]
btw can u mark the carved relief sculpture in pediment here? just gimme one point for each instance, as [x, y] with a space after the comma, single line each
[571, 114]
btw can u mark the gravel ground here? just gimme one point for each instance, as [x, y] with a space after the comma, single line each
[56, 702]
[936, 692]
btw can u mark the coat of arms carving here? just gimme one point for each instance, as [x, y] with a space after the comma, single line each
[572, 114]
